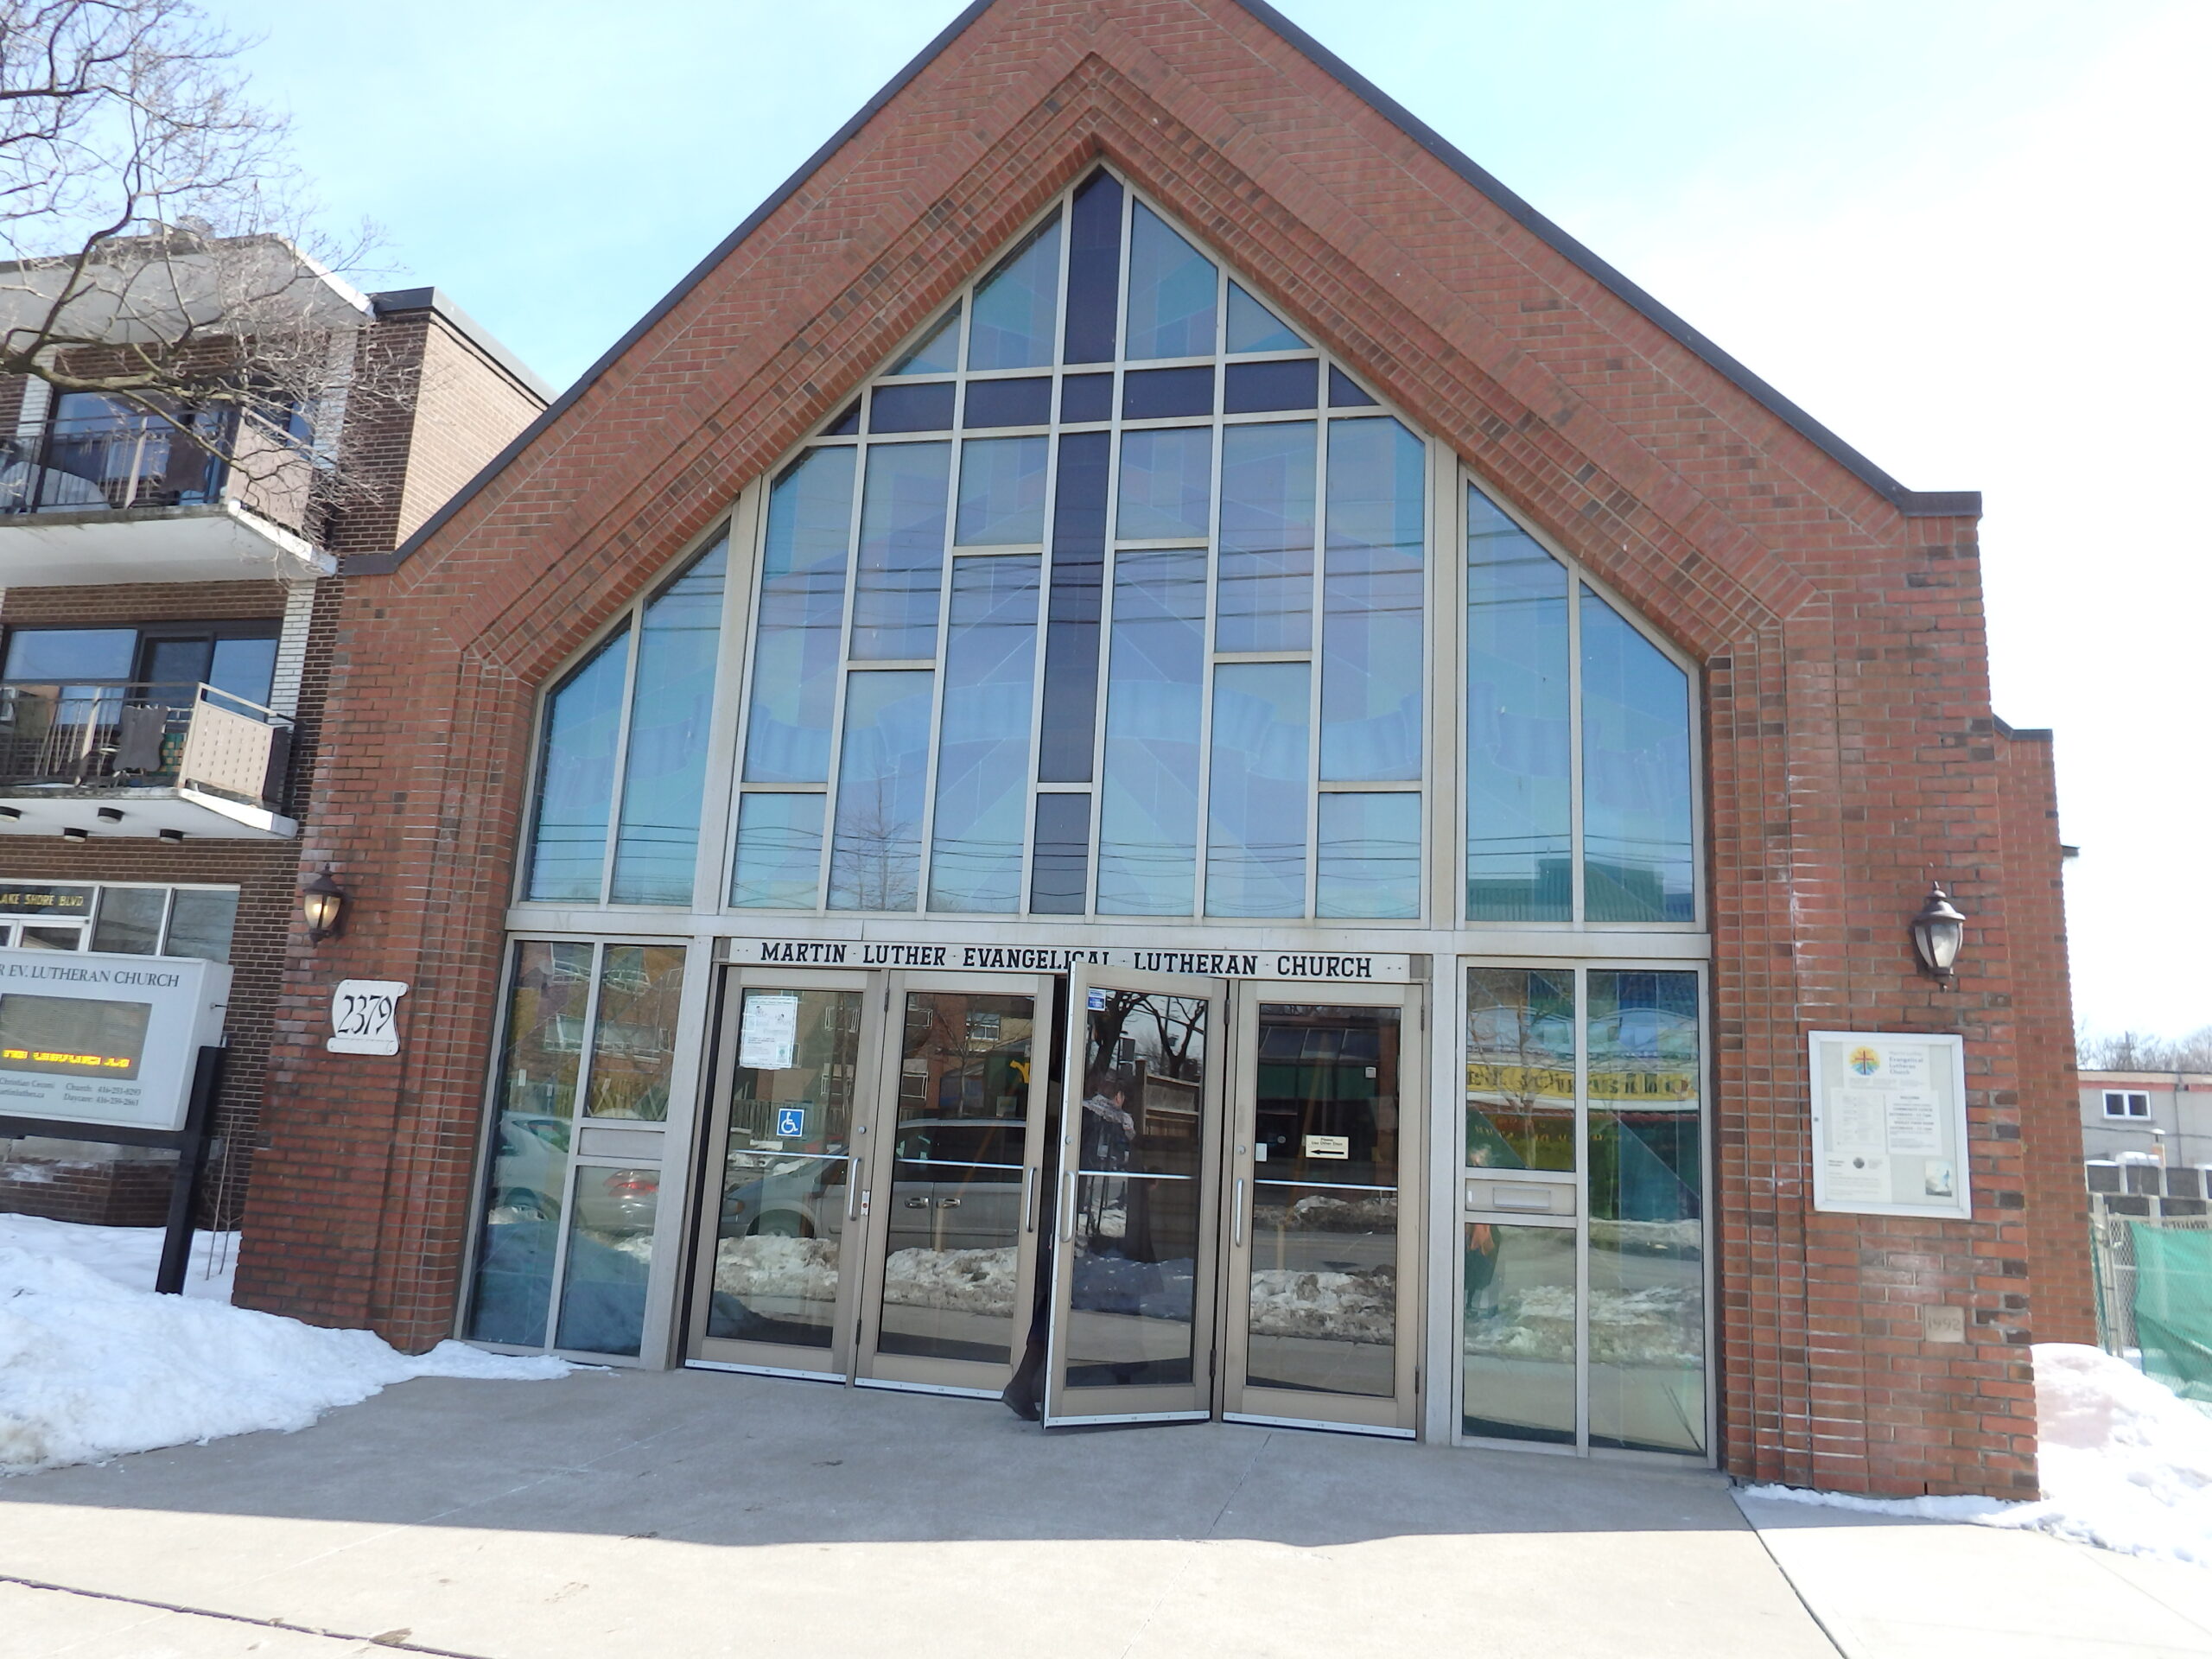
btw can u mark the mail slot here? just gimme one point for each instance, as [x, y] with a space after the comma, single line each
[1530, 1198]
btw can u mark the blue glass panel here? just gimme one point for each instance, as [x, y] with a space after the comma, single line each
[1087, 397]
[576, 777]
[536, 1105]
[1637, 862]
[1059, 867]
[1018, 305]
[924, 408]
[1520, 844]
[983, 764]
[1372, 604]
[1148, 800]
[69, 656]
[1647, 1179]
[1344, 394]
[1264, 586]
[1002, 492]
[1253, 327]
[1167, 483]
[902, 551]
[1258, 388]
[875, 851]
[846, 425]
[1257, 790]
[798, 641]
[1071, 711]
[663, 769]
[1161, 394]
[779, 862]
[1025, 402]
[1171, 292]
[939, 352]
[1093, 269]
[1370, 856]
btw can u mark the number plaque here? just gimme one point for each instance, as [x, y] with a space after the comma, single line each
[365, 1016]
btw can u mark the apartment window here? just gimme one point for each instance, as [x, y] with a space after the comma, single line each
[167, 658]
[113, 918]
[2126, 1102]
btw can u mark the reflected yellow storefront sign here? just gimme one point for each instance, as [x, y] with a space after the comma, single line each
[1522, 1081]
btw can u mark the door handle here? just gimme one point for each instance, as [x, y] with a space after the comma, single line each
[1067, 1206]
[948, 1203]
[1237, 1220]
[856, 1200]
[918, 1204]
[1028, 1200]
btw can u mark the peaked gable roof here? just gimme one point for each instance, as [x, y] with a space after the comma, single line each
[1907, 502]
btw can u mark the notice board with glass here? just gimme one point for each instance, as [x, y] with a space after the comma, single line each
[105, 1040]
[1889, 1124]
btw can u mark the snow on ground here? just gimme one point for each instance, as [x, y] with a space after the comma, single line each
[93, 1363]
[2125, 1464]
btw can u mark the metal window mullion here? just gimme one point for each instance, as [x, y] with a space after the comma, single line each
[1039, 643]
[830, 792]
[1110, 565]
[1582, 1210]
[635, 627]
[1578, 909]
[1316, 597]
[926, 852]
[557, 1281]
[1202, 875]
[714, 855]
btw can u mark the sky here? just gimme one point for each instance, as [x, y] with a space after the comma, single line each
[1968, 235]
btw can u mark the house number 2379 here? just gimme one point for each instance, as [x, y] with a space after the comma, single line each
[365, 1016]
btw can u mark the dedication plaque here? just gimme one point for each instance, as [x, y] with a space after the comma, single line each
[1889, 1124]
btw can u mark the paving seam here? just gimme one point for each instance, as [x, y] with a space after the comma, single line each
[383, 1641]
[1811, 1611]
[1213, 1527]
[2098, 1552]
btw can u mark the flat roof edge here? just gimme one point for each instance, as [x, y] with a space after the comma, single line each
[399, 301]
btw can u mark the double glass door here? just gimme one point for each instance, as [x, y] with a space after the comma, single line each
[1235, 1233]
[874, 1176]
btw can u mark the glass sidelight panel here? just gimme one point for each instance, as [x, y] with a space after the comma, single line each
[536, 1105]
[1647, 1260]
[610, 1256]
[1324, 1270]
[1521, 1068]
[956, 1204]
[784, 1191]
[1518, 1337]
[1133, 1235]
[633, 1037]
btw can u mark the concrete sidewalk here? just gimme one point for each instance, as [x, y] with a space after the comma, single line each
[698, 1514]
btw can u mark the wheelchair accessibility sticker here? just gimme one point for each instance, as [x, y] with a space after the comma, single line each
[790, 1121]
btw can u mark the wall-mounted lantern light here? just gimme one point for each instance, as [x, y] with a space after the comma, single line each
[323, 902]
[1937, 933]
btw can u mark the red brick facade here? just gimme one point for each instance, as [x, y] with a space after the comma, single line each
[1852, 751]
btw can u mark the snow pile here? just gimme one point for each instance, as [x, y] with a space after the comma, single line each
[131, 1256]
[90, 1367]
[1361, 1305]
[2125, 1464]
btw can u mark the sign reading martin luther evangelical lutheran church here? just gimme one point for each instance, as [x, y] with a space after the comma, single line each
[1889, 1124]
[106, 1040]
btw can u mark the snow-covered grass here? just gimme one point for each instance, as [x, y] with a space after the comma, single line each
[93, 1363]
[2125, 1464]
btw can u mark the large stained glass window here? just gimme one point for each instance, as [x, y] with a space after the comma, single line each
[1107, 598]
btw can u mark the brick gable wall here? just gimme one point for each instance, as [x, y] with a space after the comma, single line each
[1850, 744]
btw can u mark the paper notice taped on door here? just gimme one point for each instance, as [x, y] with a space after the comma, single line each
[768, 1041]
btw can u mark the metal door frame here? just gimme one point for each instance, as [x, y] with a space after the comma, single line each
[1396, 1415]
[775, 1359]
[1139, 1402]
[916, 1373]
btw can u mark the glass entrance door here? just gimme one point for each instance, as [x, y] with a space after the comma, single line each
[1320, 1307]
[1135, 1256]
[874, 1176]
[1233, 1235]
[953, 1190]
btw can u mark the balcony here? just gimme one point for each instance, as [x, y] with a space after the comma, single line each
[142, 760]
[124, 498]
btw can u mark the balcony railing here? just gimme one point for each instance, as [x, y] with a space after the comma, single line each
[112, 468]
[118, 736]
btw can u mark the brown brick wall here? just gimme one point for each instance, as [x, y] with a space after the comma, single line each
[124, 604]
[2050, 1102]
[1851, 746]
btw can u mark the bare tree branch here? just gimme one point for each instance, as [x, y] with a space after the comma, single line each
[159, 260]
